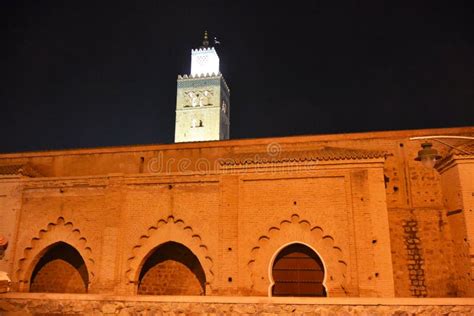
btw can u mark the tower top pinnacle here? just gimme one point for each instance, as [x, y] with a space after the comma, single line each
[204, 60]
[202, 99]
[205, 41]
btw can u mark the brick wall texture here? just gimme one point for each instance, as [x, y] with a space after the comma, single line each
[58, 276]
[175, 220]
[172, 270]
[170, 278]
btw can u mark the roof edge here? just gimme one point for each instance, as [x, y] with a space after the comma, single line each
[241, 142]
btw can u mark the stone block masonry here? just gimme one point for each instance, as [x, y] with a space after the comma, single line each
[87, 304]
[415, 259]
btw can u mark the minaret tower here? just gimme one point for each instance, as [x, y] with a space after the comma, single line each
[202, 99]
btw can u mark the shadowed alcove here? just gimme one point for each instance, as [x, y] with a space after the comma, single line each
[171, 269]
[60, 270]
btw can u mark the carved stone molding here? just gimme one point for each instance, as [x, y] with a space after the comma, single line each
[165, 230]
[59, 231]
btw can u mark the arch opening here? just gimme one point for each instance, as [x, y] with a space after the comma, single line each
[60, 269]
[171, 269]
[298, 271]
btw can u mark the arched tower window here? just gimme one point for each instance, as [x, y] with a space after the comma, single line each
[172, 269]
[60, 270]
[298, 271]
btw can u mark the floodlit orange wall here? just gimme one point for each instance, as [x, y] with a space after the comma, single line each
[380, 226]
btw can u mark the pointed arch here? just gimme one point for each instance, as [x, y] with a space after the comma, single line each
[61, 269]
[296, 230]
[59, 231]
[168, 230]
[171, 269]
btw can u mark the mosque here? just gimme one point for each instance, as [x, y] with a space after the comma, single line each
[377, 222]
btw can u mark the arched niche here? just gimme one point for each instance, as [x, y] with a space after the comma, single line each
[56, 231]
[296, 230]
[171, 269]
[167, 230]
[60, 269]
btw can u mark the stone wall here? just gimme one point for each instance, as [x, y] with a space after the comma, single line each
[422, 252]
[457, 175]
[207, 117]
[10, 206]
[35, 304]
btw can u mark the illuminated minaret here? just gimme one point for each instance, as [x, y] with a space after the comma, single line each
[202, 99]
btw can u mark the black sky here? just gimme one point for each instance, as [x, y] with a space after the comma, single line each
[87, 74]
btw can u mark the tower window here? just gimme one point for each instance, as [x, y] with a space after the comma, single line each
[196, 123]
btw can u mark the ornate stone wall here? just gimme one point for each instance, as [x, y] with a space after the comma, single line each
[380, 226]
[202, 108]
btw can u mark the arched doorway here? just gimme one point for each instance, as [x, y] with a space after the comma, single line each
[298, 271]
[172, 269]
[60, 270]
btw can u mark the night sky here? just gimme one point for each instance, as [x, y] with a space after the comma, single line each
[80, 74]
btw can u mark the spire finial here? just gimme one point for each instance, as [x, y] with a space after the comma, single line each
[205, 41]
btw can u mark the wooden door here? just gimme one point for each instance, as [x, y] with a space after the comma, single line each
[298, 271]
